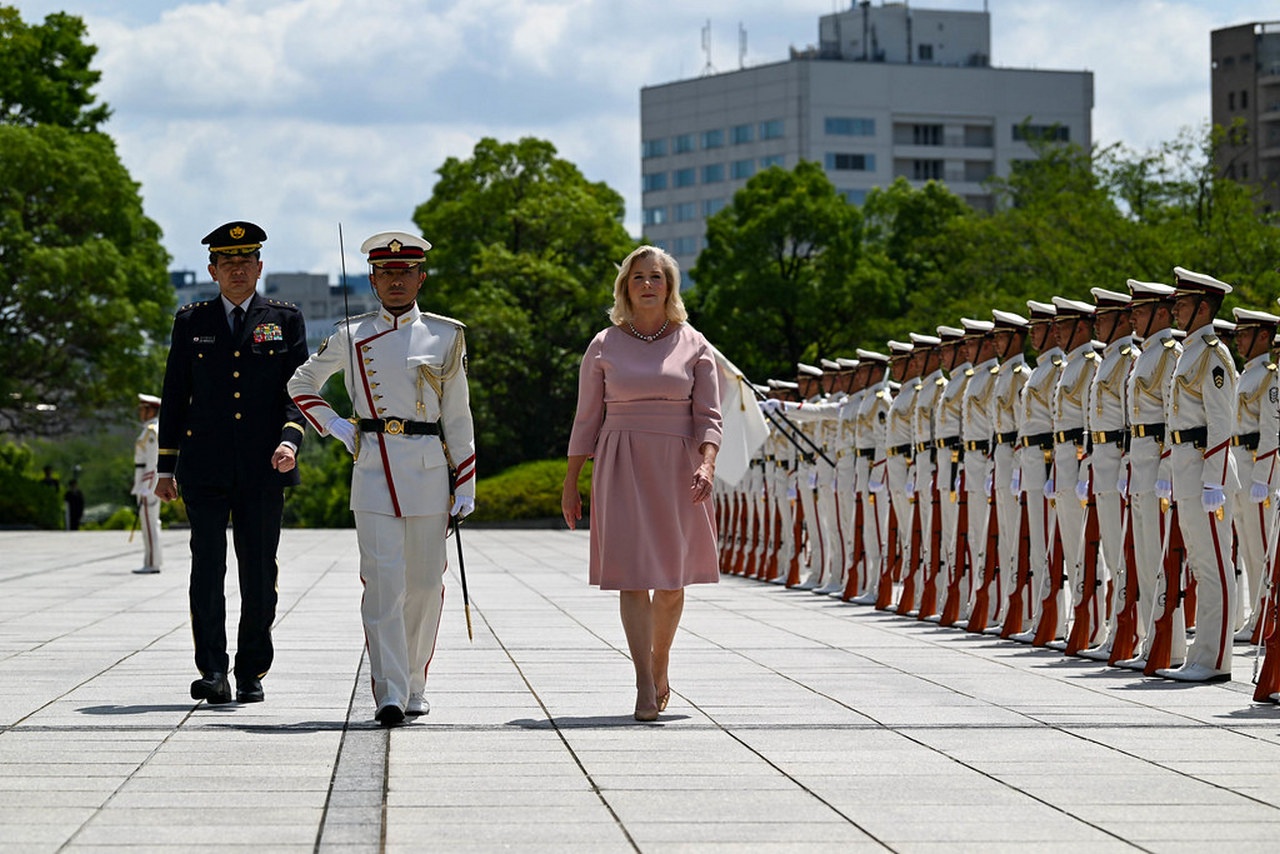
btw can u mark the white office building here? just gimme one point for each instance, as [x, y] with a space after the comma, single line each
[890, 91]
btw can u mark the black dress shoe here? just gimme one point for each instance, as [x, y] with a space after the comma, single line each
[249, 690]
[213, 689]
[390, 715]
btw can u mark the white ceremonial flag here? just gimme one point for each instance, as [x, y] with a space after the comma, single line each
[745, 429]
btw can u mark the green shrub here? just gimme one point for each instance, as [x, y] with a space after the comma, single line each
[527, 491]
[24, 500]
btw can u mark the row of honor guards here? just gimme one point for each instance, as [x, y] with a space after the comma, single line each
[1108, 501]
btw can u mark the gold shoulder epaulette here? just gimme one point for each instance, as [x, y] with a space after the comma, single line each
[995, 369]
[344, 320]
[1057, 361]
[434, 316]
[282, 303]
[1126, 350]
[1019, 368]
[1091, 355]
[940, 381]
[1271, 366]
[1211, 340]
[1169, 343]
[968, 372]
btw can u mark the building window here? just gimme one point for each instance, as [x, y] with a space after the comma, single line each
[713, 139]
[977, 171]
[684, 177]
[979, 136]
[685, 212]
[850, 162]
[684, 246]
[742, 133]
[712, 206]
[773, 129]
[924, 53]
[771, 160]
[661, 244]
[1244, 99]
[926, 134]
[842, 126]
[713, 173]
[1047, 133]
[854, 197]
[682, 144]
[654, 181]
[655, 216]
[926, 170]
[1231, 100]
[654, 148]
[742, 169]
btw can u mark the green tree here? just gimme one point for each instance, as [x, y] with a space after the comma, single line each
[774, 284]
[87, 296]
[524, 253]
[44, 73]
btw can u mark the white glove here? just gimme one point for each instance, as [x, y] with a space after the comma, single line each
[1212, 498]
[910, 487]
[1164, 489]
[772, 405]
[343, 430]
[1049, 491]
[792, 494]
[1258, 492]
[463, 505]
[1082, 490]
[1015, 483]
[1122, 486]
[987, 483]
[876, 486]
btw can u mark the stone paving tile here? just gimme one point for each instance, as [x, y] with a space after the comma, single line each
[798, 723]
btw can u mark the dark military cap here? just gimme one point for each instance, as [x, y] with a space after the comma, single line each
[235, 238]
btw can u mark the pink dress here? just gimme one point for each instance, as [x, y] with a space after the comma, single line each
[644, 409]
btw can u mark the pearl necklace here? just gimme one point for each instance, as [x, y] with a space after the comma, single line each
[655, 336]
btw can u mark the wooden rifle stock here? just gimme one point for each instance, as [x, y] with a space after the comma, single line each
[907, 599]
[951, 607]
[853, 582]
[1047, 628]
[793, 571]
[889, 564]
[1125, 644]
[929, 591]
[1021, 591]
[1268, 682]
[1083, 621]
[1162, 633]
[990, 572]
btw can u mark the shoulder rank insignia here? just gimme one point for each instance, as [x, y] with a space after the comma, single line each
[1271, 366]
[1211, 340]
[995, 369]
[1126, 350]
[323, 345]
[1219, 377]
[1057, 361]
[1091, 355]
[1169, 343]
[968, 372]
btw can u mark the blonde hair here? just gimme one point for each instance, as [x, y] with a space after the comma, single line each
[621, 312]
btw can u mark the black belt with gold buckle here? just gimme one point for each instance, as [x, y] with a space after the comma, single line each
[399, 426]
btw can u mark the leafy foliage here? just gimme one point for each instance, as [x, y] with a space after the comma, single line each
[24, 500]
[44, 73]
[524, 254]
[528, 491]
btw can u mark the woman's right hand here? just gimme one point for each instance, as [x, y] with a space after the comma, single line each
[571, 504]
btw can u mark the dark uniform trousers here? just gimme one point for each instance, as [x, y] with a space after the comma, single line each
[225, 410]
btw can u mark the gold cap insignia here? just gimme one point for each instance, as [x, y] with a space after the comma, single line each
[395, 246]
[237, 233]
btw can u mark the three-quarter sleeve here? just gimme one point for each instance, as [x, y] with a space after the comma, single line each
[707, 421]
[590, 414]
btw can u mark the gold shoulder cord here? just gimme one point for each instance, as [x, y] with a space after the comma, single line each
[1149, 387]
[1190, 385]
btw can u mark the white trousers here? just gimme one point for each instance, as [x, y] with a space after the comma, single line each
[402, 561]
[149, 526]
[1208, 540]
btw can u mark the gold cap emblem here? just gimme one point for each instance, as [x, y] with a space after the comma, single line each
[237, 233]
[395, 246]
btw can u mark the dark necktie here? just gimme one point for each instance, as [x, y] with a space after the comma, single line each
[237, 322]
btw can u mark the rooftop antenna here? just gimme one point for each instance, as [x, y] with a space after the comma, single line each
[742, 46]
[706, 48]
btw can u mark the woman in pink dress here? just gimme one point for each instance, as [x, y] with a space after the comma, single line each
[649, 415]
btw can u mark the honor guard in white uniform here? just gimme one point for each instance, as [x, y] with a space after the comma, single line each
[1106, 418]
[1074, 329]
[1254, 447]
[830, 509]
[1035, 463]
[976, 430]
[809, 417]
[414, 446]
[786, 492]
[1151, 316]
[930, 386]
[1010, 338]
[1200, 418]
[146, 456]
[873, 421]
[846, 456]
[904, 367]
[949, 447]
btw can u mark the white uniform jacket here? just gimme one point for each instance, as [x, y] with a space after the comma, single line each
[1258, 421]
[411, 367]
[1201, 399]
[1148, 382]
[1106, 414]
[146, 454]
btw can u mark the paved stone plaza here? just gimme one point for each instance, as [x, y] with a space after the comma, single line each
[797, 723]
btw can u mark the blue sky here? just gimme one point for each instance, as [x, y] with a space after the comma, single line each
[300, 114]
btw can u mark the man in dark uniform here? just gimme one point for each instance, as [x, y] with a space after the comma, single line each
[228, 436]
